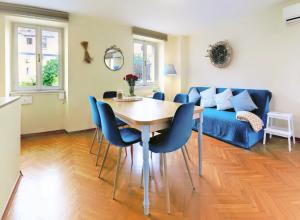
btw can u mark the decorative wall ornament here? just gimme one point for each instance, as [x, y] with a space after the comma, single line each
[87, 58]
[220, 54]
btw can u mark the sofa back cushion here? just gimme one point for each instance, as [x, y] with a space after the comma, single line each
[194, 96]
[261, 98]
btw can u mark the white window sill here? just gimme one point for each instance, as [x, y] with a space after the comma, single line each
[148, 86]
[29, 92]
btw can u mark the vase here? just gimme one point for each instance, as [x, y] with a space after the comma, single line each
[131, 90]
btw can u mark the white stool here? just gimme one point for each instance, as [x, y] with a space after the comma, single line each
[280, 131]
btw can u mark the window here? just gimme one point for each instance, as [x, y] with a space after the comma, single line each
[145, 62]
[38, 58]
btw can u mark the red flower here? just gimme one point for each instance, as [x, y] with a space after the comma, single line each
[131, 78]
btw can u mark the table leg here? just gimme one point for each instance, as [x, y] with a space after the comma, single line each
[145, 139]
[200, 144]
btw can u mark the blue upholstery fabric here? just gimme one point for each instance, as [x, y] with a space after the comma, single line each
[119, 138]
[181, 98]
[223, 125]
[159, 96]
[94, 110]
[178, 134]
[109, 94]
[130, 135]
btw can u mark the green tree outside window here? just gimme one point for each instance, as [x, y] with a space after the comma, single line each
[50, 73]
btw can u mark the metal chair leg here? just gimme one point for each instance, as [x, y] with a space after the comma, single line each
[187, 167]
[131, 152]
[117, 173]
[187, 152]
[125, 151]
[95, 134]
[104, 159]
[142, 177]
[99, 149]
[161, 164]
[167, 183]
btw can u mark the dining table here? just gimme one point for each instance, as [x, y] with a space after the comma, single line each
[149, 115]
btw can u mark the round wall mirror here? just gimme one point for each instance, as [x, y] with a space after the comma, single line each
[113, 58]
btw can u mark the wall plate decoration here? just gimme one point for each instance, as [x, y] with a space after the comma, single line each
[220, 54]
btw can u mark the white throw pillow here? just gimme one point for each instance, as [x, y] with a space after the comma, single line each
[207, 97]
[223, 100]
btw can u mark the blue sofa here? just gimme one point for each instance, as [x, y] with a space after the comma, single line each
[224, 126]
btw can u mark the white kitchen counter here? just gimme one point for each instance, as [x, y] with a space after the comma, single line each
[7, 100]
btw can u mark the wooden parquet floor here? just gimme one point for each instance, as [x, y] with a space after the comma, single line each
[60, 182]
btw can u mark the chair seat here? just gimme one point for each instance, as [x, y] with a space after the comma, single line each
[162, 131]
[120, 122]
[159, 144]
[130, 135]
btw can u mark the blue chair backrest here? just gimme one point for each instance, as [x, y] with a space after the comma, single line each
[110, 129]
[159, 96]
[181, 127]
[109, 94]
[94, 110]
[181, 98]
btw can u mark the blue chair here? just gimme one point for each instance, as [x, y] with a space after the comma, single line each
[97, 122]
[119, 137]
[181, 98]
[175, 138]
[159, 96]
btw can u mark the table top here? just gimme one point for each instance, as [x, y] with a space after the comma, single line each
[147, 111]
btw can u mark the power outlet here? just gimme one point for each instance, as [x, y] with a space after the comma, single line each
[61, 96]
[26, 100]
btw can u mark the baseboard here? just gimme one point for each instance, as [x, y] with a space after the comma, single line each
[43, 133]
[55, 132]
[12, 195]
[80, 131]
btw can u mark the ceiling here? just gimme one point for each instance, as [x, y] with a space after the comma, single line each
[169, 16]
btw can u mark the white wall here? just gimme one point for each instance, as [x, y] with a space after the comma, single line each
[266, 56]
[176, 54]
[93, 79]
[2, 56]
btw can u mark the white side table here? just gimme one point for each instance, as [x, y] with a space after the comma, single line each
[280, 131]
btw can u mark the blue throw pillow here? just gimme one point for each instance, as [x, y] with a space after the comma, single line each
[243, 102]
[194, 96]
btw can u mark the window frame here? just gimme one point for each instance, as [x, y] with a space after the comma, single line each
[156, 60]
[39, 65]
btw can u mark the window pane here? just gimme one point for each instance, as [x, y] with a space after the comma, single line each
[26, 39]
[50, 58]
[138, 61]
[150, 64]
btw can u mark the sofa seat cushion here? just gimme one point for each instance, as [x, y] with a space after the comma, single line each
[224, 125]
